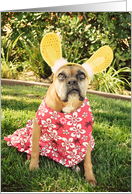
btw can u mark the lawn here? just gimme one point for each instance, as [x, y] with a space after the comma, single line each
[111, 156]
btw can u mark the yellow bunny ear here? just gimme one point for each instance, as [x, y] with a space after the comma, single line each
[50, 48]
[101, 59]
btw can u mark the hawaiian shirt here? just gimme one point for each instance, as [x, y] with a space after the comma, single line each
[64, 136]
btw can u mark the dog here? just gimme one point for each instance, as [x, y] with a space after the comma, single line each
[67, 96]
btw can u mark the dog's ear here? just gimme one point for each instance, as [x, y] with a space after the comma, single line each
[50, 48]
[100, 60]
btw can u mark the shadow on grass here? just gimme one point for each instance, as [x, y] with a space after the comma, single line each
[22, 104]
[20, 90]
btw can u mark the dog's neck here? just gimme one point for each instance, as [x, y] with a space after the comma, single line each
[69, 108]
[54, 102]
[72, 104]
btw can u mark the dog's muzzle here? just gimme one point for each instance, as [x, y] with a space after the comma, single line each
[73, 88]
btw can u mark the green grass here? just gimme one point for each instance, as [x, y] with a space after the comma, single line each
[111, 156]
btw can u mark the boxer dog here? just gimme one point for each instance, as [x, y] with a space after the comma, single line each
[65, 95]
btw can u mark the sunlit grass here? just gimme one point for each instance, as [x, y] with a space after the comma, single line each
[111, 156]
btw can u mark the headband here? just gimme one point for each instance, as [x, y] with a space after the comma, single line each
[50, 48]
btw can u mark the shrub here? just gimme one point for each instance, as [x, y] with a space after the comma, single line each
[81, 34]
[34, 58]
[9, 68]
[111, 81]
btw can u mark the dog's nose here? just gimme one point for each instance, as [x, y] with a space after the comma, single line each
[72, 82]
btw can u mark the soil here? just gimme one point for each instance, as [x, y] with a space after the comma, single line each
[30, 76]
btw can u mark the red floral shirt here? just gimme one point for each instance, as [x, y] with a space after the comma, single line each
[64, 137]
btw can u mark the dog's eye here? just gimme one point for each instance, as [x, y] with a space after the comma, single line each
[82, 76]
[61, 76]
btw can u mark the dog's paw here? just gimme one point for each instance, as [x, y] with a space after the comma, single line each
[75, 168]
[91, 178]
[34, 167]
[93, 183]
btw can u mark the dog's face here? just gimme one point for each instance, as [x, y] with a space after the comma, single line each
[71, 83]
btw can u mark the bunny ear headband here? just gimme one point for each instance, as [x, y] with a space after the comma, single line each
[51, 52]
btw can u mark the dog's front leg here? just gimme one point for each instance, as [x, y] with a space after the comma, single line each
[35, 146]
[88, 167]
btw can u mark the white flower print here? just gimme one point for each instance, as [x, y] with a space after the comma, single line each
[40, 148]
[15, 139]
[45, 137]
[70, 163]
[54, 153]
[77, 131]
[53, 135]
[73, 119]
[54, 115]
[30, 123]
[88, 103]
[72, 155]
[42, 110]
[85, 114]
[63, 120]
[51, 147]
[86, 145]
[65, 132]
[22, 149]
[79, 110]
[77, 147]
[20, 131]
[67, 143]
[23, 141]
[62, 161]
[80, 153]
[48, 124]
[89, 109]
[74, 161]
[84, 138]
[44, 151]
